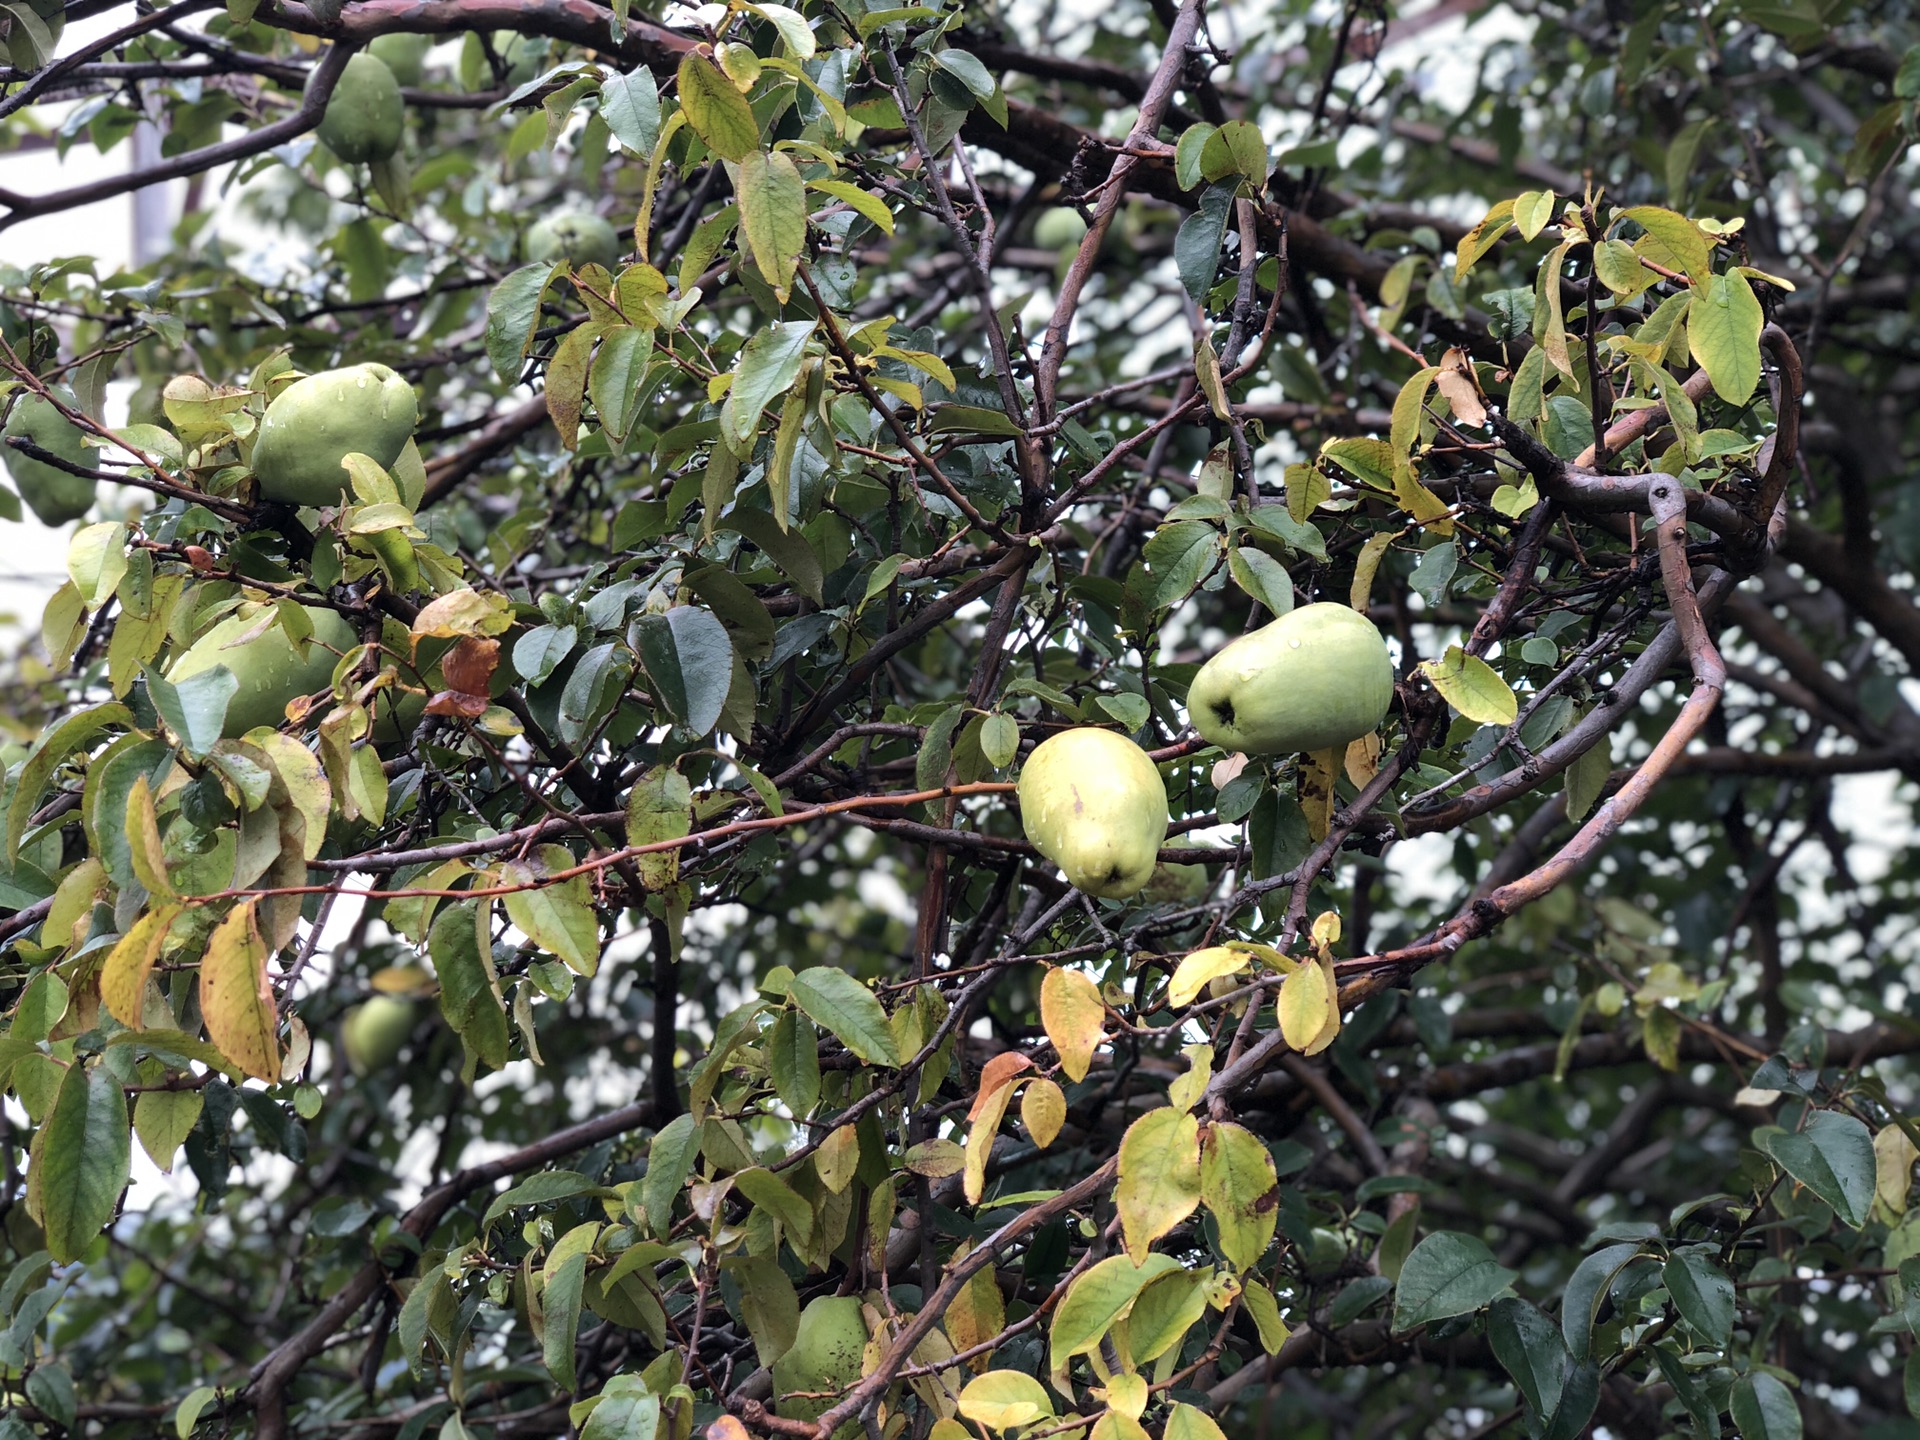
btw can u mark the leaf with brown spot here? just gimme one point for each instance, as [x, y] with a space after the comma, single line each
[235, 997]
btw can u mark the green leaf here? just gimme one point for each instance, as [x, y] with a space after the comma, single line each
[773, 213]
[689, 658]
[82, 1156]
[1586, 1288]
[1763, 1408]
[628, 1410]
[670, 1160]
[1196, 245]
[1529, 1348]
[513, 314]
[558, 917]
[55, 746]
[1832, 1157]
[1096, 1299]
[1702, 1293]
[188, 1415]
[545, 1188]
[469, 990]
[560, 1328]
[717, 110]
[630, 104]
[1000, 740]
[834, 999]
[196, 709]
[1472, 687]
[778, 1199]
[1262, 577]
[1447, 1274]
[769, 364]
[867, 203]
[1723, 334]
[1159, 1177]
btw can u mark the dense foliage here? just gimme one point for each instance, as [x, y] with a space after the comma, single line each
[552, 893]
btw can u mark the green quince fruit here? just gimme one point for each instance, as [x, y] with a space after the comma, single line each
[1315, 678]
[826, 1356]
[1093, 803]
[365, 113]
[375, 1033]
[50, 492]
[578, 236]
[314, 423]
[269, 668]
[1058, 228]
[404, 54]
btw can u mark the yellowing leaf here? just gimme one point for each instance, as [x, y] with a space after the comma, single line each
[1365, 566]
[838, 1158]
[1317, 772]
[1043, 1110]
[143, 841]
[1239, 1185]
[556, 916]
[989, 1109]
[773, 214]
[1893, 1157]
[997, 1074]
[1200, 969]
[1004, 1400]
[1265, 1311]
[1723, 334]
[1532, 211]
[1471, 686]
[235, 998]
[1482, 238]
[1115, 1425]
[1127, 1395]
[1303, 1006]
[305, 781]
[978, 1312]
[1187, 1423]
[1072, 1013]
[123, 979]
[1677, 243]
[716, 109]
[1159, 1177]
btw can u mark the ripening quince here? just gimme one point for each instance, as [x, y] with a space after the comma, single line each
[1059, 227]
[1317, 677]
[1092, 802]
[375, 1033]
[50, 492]
[314, 423]
[269, 668]
[365, 113]
[578, 236]
[826, 1356]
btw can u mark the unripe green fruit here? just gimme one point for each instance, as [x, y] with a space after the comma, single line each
[1058, 228]
[313, 423]
[404, 55]
[270, 670]
[50, 492]
[198, 411]
[575, 235]
[1315, 678]
[1092, 802]
[826, 1356]
[365, 112]
[375, 1033]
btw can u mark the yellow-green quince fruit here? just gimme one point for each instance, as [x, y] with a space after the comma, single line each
[375, 1033]
[50, 492]
[405, 55]
[1315, 678]
[269, 668]
[365, 113]
[314, 423]
[1093, 803]
[1059, 227]
[826, 1357]
[578, 236]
